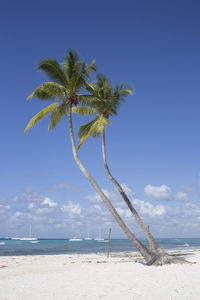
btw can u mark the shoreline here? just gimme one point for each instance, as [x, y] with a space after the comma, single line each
[94, 276]
[101, 253]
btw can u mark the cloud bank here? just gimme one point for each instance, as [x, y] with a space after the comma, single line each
[163, 192]
[49, 218]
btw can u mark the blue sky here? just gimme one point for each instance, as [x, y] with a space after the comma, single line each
[153, 143]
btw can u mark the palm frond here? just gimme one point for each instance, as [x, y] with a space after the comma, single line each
[101, 80]
[53, 70]
[91, 67]
[120, 92]
[123, 89]
[56, 116]
[93, 128]
[69, 64]
[41, 115]
[99, 125]
[89, 100]
[47, 91]
[76, 70]
[84, 132]
[90, 87]
[84, 129]
[81, 73]
[84, 111]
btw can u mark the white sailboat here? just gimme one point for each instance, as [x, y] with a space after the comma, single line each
[88, 238]
[75, 238]
[99, 239]
[28, 238]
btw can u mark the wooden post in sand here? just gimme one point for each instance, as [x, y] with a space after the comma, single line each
[108, 243]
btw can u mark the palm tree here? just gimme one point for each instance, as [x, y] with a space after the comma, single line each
[105, 103]
[64, 91]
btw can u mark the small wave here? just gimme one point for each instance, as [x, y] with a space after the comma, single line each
[35, 242]
[184, 245]
[2, 243]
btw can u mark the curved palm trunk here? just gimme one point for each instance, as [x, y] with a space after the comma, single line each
[152, 242]
[148, 255]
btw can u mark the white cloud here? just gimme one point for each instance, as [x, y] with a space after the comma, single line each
[95, 198]
[127, 190]
[2, 207]
[124, 212]
[31, 205]
[146, 208]
[162, 192]
[72, 208]
[49, 202]
[181, 196]
[98, 207]
[43, 210]
[49, 218]
[18, 214]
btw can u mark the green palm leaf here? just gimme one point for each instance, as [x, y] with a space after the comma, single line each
[105, 99]
[76, 70]
[69, 64]
[58, 113]
[53, 71]
[67, 82]
[123, 89]
[84, 132]
[84, 129]
[48, 91]
[99, 125]
[41, 115]
[87, 99]
[90, 88]
[84, 111]
[93, 128]
[91, 67]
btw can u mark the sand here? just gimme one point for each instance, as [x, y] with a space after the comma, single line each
[92, 276]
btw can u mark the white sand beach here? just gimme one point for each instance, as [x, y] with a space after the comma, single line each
[92, 276]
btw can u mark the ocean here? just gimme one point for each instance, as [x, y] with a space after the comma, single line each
[63, 246]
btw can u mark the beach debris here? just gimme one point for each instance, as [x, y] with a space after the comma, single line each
[3, 266]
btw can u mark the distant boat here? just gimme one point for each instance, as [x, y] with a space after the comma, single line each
[88, 238]
[75, 240]
[28, 238]
[99, 239]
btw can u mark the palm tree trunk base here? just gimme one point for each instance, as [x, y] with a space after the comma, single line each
[159, 251]
[165, 260]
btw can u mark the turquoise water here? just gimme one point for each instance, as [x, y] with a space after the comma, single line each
[61, 246]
